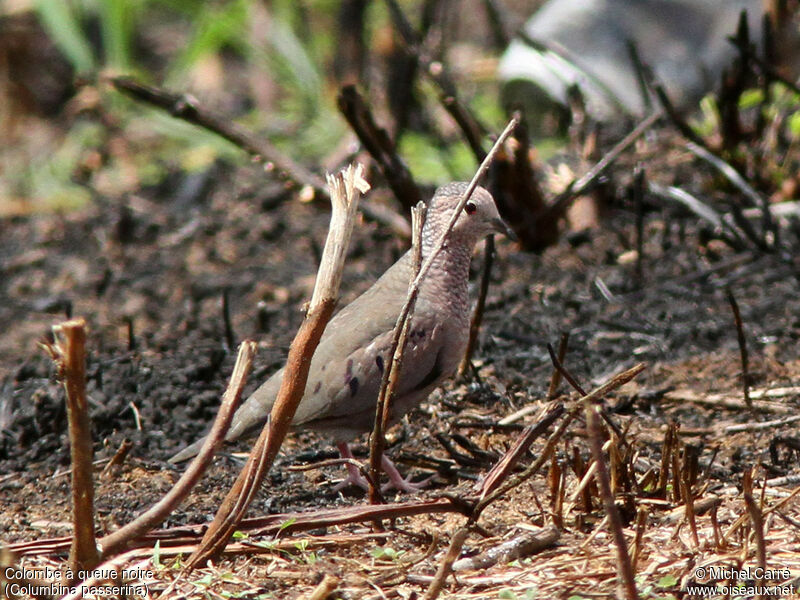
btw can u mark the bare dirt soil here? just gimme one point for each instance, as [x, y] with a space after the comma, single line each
[156, 266]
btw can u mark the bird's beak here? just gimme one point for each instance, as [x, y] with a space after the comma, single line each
[501, 226]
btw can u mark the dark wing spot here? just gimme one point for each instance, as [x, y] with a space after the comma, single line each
[348, 373]
[317, 387]
[432, 375]
[379, 362]
[353, 383]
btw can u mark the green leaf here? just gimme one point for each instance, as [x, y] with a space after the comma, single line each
[63, 26]
[205, 580]
[157, 554]
[287, 523]
[751, 98]
[116, 27]
[667, 581]
[794, 124]
[214, 29]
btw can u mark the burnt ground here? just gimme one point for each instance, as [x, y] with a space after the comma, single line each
[162, 260]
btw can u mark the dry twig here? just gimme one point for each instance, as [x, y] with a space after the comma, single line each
[446, 566]
[382, 149]
[384, 407]
[391, 375]
[737, 319]
[187, 108]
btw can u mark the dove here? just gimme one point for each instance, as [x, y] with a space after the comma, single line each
[345, 374]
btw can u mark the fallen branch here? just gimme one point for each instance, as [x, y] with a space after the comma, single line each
[518, 547]
[187, 108]
[269, 525]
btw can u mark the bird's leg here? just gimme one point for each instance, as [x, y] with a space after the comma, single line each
[396, 480]
[354, 475]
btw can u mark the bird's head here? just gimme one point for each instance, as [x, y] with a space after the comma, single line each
[478, 218]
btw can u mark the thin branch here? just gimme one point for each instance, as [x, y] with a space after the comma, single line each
[624, 567]
[446, 566]
[756, 518]
[187, 108]
[555, 378]
[506, 464]
[580, 185]
[472, 129]
[413, 290]
[269, 525]
[737, 319]
[613, 383]
[380, 147]
[391, 374]
[477, 314]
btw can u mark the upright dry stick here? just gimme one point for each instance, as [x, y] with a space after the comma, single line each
[390, 376]
[446, 566]
[477, 314]
[624, 566]
[345, 190]
[384, 407]
[737, 319]
[70, 356]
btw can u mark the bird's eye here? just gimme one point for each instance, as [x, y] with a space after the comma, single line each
[470, 208]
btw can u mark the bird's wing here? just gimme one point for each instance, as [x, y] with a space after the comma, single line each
[360, 325]
[350, 386]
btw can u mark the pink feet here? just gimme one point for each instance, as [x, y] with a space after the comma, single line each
[396, 480]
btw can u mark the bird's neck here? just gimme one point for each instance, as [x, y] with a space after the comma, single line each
[448, 277]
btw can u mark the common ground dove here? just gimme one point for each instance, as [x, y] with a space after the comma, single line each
[345, 374]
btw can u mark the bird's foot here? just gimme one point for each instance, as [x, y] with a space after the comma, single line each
[354, 477]
[396, 480]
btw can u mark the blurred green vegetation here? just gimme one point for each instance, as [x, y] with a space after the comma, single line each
[269, 65]
[771, 126]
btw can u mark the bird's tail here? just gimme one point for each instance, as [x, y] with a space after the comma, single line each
[189, 452]
[249, 417]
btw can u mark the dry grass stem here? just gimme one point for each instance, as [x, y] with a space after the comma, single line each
[391, 374]
[446, 566]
